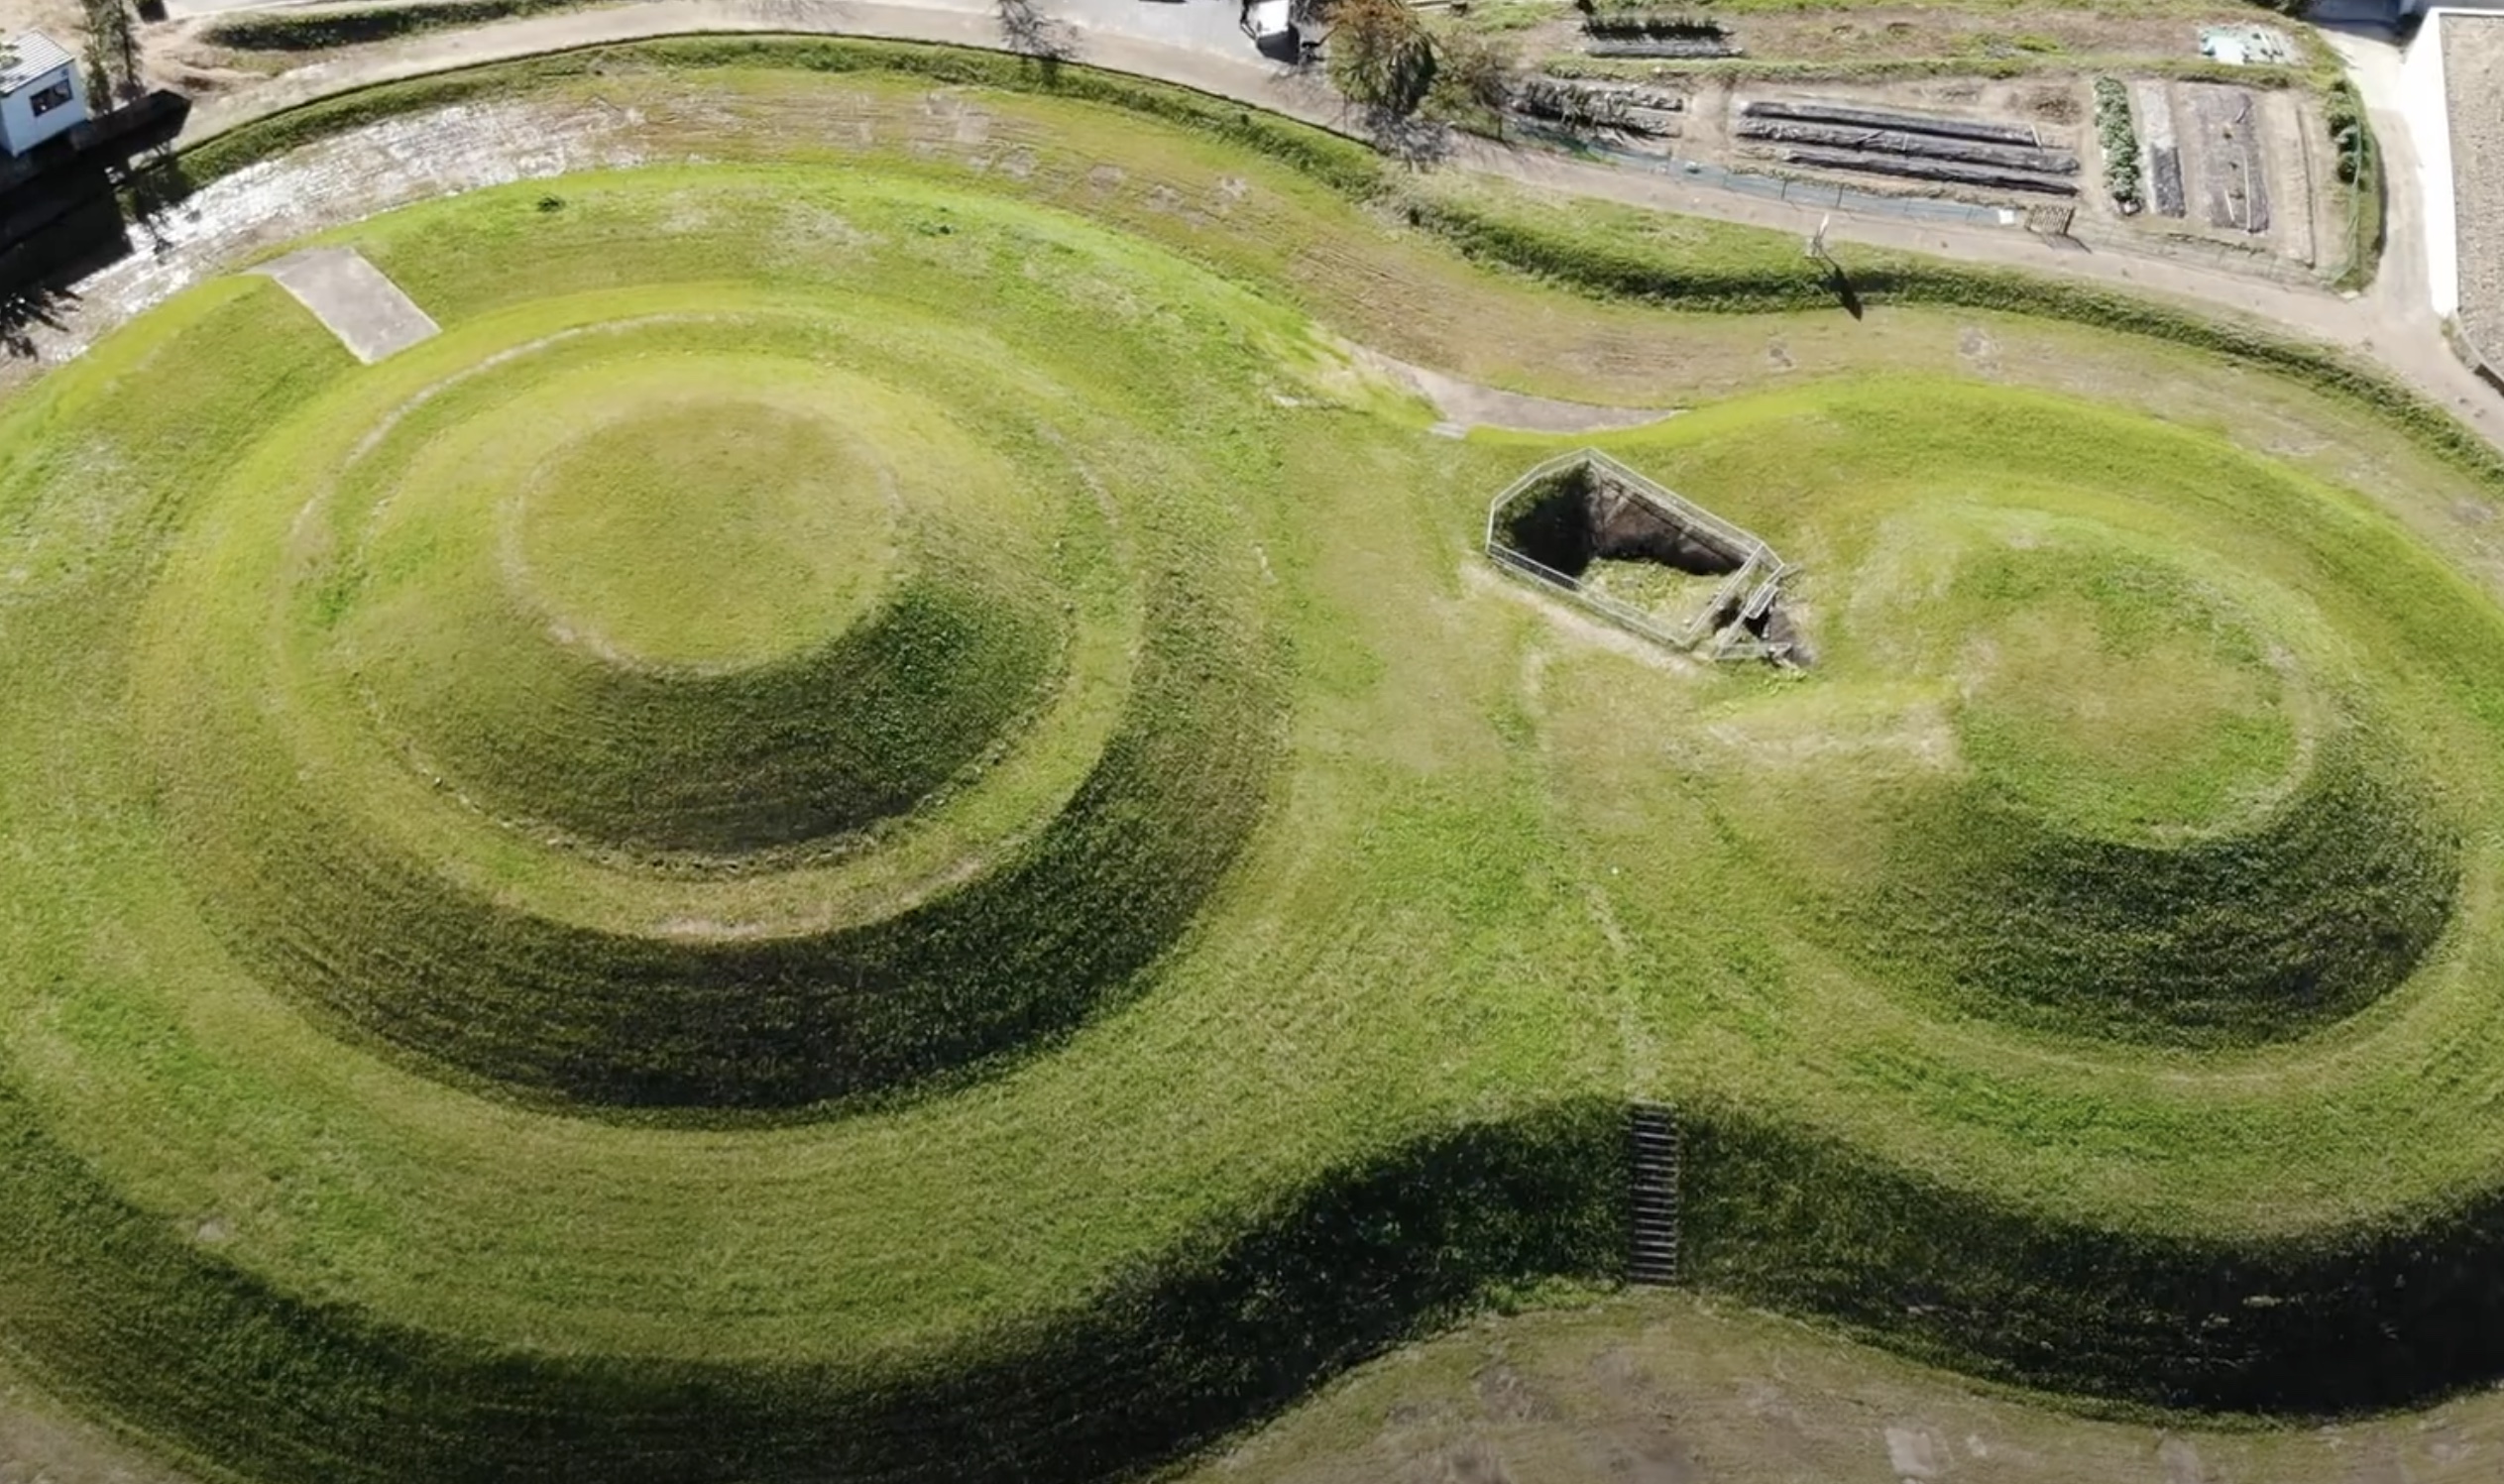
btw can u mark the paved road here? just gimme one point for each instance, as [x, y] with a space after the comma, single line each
[1196, 43]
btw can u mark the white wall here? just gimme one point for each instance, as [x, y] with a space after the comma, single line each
[21, 129]
[2429, 127]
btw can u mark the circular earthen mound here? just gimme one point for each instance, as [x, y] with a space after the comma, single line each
[722, 712]
[866, 829]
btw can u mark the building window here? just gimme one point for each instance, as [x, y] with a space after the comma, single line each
[52, 97]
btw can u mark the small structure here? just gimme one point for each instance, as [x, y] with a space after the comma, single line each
[39, 92]
[1272, 26]
[1644, 558]
[2246, 45]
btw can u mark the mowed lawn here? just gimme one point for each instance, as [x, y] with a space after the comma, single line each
[1457, 857]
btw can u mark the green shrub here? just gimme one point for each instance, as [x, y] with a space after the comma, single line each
[321, 30]
[2120, 143]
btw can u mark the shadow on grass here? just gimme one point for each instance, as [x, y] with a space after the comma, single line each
[1841, 283]
[1030, 34]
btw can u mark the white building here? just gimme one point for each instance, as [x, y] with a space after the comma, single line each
[2446, 91]
[39, 92]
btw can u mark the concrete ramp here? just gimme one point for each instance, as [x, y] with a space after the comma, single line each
[366, 311]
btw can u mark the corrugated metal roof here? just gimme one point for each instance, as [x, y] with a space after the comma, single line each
[28, 58]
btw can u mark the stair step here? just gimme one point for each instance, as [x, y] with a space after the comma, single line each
[1653, 1152]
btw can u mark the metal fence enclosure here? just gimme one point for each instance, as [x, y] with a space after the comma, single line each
[1746, 594]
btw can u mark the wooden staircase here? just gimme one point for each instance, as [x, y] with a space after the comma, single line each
[1651, 1133]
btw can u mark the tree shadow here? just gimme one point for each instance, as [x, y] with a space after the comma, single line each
[39, 273]
[25, 310]
[156, 187]
[1840, 283]
[1414, 141]
[1031, 34]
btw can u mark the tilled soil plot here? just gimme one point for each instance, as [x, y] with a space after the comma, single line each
[2164, 155]
[2233, 181]
[2473, 81]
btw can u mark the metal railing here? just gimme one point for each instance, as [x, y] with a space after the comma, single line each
[1751, 587]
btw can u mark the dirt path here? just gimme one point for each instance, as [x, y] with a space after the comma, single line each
[1465, 404]
[1194, 44]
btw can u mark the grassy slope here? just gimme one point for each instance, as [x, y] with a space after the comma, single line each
[776, 1199]
[1655, 1385]
[1053, 924]
[693, 700]
[1409, 873]
[1621, 253]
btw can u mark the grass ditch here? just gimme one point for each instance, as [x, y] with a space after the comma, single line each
[2380, 1315]
[1601, 252]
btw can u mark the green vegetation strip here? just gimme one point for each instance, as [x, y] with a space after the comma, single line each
[1444, 878]
[2120, 141]
[2360, 178]
[321, 30]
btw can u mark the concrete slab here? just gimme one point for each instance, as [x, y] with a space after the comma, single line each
[366, 311]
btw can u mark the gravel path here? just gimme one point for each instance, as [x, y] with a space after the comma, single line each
[2473, 68]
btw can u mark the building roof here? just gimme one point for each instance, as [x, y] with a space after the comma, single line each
[28, 58]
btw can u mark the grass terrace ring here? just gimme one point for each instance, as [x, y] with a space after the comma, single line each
[880, 821]
[687, 627]
[866, 740]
